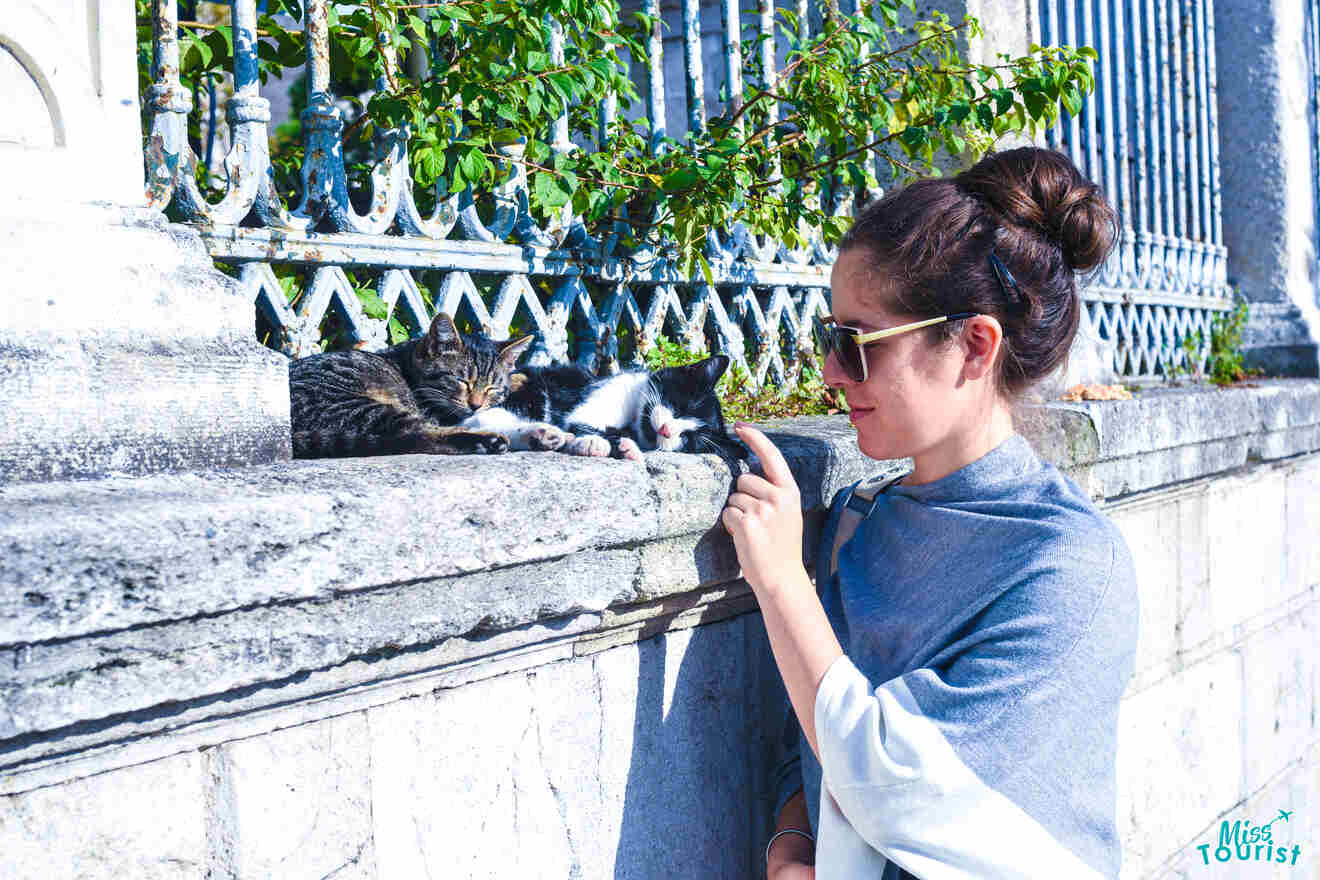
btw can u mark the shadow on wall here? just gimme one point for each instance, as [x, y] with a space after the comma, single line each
[709, 710]
[697, 801]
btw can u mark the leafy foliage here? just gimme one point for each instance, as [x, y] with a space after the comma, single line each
[806, 395]
[468, 78]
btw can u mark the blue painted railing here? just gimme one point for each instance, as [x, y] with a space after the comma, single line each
[1149, 136]
[577, 293]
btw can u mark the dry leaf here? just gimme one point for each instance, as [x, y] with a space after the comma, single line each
[1096, 391]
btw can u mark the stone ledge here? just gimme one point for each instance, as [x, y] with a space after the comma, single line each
[131, 606]
[1169, 435]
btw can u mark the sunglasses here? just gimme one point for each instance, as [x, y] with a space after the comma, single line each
[847, 342]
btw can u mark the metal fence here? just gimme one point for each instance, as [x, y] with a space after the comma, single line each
[1149, 136]
[502, 272]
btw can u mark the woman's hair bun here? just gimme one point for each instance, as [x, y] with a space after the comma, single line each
[1042, 190]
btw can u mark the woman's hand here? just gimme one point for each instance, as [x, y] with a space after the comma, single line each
[793, 871]
[792, 856]
[764, 516]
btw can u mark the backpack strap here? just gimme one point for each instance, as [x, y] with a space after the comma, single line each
[860, 503]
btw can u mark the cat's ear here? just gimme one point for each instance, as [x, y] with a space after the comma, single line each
[710, 370]
[442, 337]
[510, 351]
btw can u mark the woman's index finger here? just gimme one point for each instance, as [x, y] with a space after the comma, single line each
[772, 460]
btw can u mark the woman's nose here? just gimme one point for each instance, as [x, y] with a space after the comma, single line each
[833, 373]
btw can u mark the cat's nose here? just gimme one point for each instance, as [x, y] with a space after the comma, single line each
[665, 430]
[478, 400]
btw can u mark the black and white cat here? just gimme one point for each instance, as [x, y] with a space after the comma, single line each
[674, 409]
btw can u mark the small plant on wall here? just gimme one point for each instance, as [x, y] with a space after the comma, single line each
[1221, 360]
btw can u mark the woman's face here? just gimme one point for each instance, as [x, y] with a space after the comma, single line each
[915, 396]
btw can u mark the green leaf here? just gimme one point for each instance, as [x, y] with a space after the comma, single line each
[1071, 100]
[226, 33]
[680, 180]
[1035, 103]
[474, 166]
[456, 13]
[398, 332]
[550, 190]
[191, 57]
[705, 270]
[372, 304]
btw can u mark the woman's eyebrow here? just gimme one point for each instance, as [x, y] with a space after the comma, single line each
[859, 323]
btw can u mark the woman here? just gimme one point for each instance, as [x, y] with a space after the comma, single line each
[955, 686]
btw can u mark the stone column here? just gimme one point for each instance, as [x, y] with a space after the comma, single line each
[1267, 140]
[122, 349]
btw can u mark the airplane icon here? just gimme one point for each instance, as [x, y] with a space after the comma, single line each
[1283, 814]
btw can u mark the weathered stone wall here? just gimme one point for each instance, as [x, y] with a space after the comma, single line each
[122, 349]
[309, 667]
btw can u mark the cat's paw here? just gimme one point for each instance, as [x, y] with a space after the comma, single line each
[547, 438]
[592, 445]
[484, 442]
[628, 449]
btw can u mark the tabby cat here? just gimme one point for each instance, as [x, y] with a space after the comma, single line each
[408, 398]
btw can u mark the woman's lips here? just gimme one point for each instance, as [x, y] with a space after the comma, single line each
[857, 413]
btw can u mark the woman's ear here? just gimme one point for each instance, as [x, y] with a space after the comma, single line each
[981, 340]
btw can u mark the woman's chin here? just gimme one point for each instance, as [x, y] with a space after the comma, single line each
[876, 444]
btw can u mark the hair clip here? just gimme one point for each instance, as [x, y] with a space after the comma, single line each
[1006, 282]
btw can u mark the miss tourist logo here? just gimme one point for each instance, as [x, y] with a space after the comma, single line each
[1242, 842]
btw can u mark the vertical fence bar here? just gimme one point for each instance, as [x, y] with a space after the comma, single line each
[1162, 104]
[696, 80]
[1122, 149]
[245, 48]
[733, 60]
[322, 168]
[316, 27]
[1179, 103]
[1143, 199]
[1192, 70]
[1089, 120]
[560, 144]
[766, 22]
[1203, 128]
[1072, 130]
[1049, 10]
[1211, 101]
[1107, 91]
[769, 62]
[169, 105]
[655, 74]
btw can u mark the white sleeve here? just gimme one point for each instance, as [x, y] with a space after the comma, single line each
[902, 789]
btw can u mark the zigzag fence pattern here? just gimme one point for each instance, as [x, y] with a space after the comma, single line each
[502, 272]
[1148, 137]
